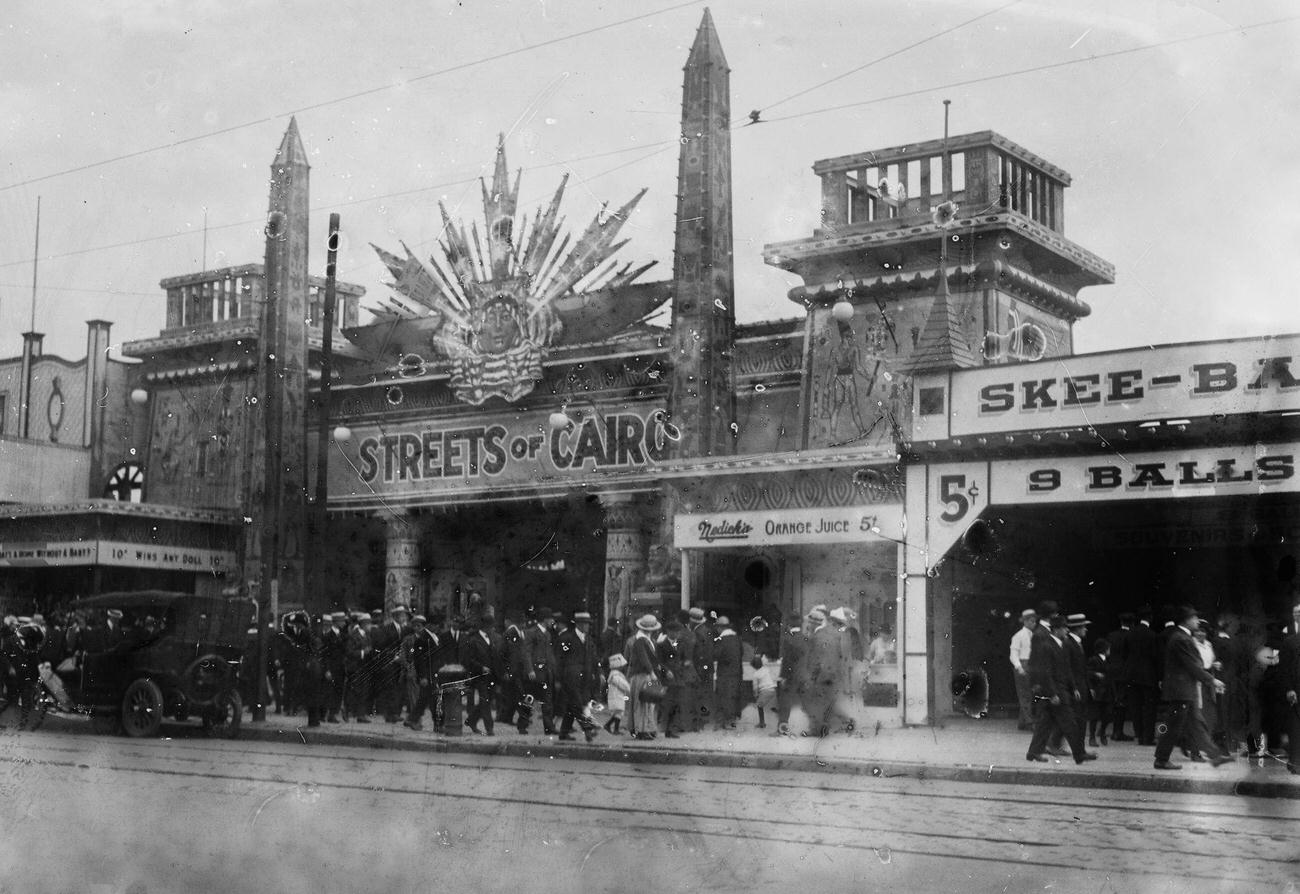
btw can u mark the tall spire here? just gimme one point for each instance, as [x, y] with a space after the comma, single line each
[707, 48]
[702, 399]
[291, 151]
[278, 470]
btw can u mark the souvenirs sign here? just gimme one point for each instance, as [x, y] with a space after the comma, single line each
[1256, 375]
[833, 524]
[417, 460]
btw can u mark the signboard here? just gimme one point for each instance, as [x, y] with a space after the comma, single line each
[1192, 472]
[1122, 387]
[833, 524]
[118, 553]
[413, 459]
[955, 495]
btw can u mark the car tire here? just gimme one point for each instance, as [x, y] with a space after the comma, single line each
[142, 709]
[221, 719]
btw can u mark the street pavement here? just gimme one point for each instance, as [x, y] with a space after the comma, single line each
[94, 813]
[959, 749]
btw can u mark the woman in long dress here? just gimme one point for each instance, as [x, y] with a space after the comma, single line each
[643, 667]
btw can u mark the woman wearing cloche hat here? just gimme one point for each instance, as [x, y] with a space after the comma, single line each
[644, 671]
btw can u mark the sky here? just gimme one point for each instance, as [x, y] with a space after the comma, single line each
[137, 121]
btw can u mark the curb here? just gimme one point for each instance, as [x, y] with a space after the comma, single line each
[882, 768]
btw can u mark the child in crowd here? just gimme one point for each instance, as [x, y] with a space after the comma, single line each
[767, 671]
[618, 691]
[1101, 688]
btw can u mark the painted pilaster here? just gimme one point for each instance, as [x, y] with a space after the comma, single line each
[625, 552]
[32, 342]
[402, 562]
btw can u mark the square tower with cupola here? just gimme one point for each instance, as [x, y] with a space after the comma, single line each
[945, 254]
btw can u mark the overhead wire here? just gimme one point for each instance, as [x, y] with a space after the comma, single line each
[1097, 57]
[880, 99]
[461, 66]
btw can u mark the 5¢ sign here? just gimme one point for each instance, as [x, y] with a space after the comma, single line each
[958, 492]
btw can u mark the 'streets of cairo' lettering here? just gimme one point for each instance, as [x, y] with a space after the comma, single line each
[1120, 386]
[1160, 475]
[618, 440]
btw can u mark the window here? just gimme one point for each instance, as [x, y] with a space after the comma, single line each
[126, 484]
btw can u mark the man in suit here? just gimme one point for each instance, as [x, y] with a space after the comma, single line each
[480, 653]
[1289, 671]
[416, 653]
[539, 672]
[1142, 675]
[1119, 647]
[333, 649]
[1077, 627]
[791, 681]
[701, 698]
[1053, 685]
[387, 639]
[358, 658]
[1184, 672]
[515, 670]
[578, 659]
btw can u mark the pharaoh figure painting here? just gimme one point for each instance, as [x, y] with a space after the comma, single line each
[486, 309]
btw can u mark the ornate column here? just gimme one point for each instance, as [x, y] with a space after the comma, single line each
[402, 568]
[625, 552]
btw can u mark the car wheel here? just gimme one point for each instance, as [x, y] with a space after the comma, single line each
[142, 709]
[222, 717]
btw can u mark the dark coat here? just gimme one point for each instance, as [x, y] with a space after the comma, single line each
[516, 654]
[483, 658]
[1184, 671]
[644, 657]
[704, 645]
[537, 647]
[578, 660]
[1119, 648]
[1049, 670]
[1101, 688]
[728, 655]
[1288, 667]
[1140, 657]
[794, 653]
[358, 650]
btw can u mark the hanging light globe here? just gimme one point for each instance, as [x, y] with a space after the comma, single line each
[139, 396]
[557, 420]
[842, 310]
[342, 434]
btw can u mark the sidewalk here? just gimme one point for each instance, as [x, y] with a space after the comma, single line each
[960, 749]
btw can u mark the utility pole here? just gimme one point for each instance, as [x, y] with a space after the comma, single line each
[319, 516]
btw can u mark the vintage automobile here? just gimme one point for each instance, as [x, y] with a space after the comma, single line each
[169, 655]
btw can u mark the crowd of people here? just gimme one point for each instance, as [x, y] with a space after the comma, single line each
[1211, 692]
[656, 676]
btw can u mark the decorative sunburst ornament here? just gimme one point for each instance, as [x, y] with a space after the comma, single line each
[490, 311]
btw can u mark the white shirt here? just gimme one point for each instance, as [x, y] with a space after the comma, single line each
[1020, 645]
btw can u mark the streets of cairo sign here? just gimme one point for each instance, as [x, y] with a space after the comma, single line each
[393, 461]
